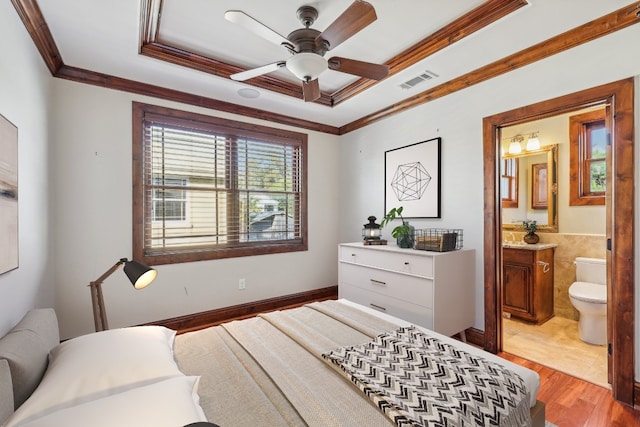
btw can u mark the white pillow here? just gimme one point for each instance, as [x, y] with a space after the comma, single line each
[101, 364]
[171, 403]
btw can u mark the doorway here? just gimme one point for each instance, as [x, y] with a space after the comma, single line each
[539, 319]
[620, 223]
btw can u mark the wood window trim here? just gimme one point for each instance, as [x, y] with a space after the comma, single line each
[140, 111]
[510, 174]
[579, 195]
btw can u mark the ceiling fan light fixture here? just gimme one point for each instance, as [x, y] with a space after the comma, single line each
[307, 66]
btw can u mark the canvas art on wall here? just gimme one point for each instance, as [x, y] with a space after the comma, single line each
[8, 195]
[412, 179]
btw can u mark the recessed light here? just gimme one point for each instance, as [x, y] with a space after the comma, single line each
[246, 92]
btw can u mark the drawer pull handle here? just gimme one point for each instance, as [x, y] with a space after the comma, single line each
[378, 282]
[406, 263]
[377, 306]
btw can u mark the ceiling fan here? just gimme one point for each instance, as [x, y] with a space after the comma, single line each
[308, 46]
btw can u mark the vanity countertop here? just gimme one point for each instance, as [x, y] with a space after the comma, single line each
[529, 247]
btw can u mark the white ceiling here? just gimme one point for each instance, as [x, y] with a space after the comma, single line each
[104, 36]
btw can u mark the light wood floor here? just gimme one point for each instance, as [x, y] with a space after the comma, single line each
[556, 344]
[572, 402]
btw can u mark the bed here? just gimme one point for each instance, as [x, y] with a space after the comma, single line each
[332, 363]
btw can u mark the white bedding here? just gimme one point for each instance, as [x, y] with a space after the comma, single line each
[113, 376]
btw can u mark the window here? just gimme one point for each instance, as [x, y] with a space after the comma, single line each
[169, 200]
[208, 188]
[509, 183]
[588, 158]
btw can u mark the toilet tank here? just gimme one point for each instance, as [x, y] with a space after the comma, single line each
[593, 270]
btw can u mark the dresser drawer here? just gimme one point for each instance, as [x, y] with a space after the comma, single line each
[400, 261]
[413, 313]
[402, 287]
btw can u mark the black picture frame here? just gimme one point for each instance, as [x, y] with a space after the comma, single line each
[412, 179]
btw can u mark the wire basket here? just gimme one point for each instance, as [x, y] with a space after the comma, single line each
[438, 239]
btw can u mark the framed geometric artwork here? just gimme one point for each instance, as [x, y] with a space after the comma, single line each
[8, 195]
[412, 179]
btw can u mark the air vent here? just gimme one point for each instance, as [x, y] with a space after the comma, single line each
[427, 75]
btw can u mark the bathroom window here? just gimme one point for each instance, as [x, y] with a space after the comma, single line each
[509, 183]
[588, 158]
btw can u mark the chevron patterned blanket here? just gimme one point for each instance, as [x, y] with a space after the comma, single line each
[417, 380]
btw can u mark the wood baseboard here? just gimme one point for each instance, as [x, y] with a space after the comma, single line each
[636, 395]
[195, 321]
[475, 337]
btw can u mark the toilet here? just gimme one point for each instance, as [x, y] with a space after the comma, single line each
[588, 294]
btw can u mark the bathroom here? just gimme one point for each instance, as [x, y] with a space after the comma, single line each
[567, 228]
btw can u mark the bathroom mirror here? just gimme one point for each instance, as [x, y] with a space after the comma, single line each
[529, 189]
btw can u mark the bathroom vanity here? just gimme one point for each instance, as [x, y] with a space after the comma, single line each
[527, 281]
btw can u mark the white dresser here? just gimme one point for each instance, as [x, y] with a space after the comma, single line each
[430, 289]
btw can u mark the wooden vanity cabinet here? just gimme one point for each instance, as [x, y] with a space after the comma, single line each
[527, 284]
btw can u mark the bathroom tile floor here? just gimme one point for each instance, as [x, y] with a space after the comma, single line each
[556, 344]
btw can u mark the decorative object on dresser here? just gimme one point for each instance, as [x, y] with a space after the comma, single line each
[371, 233]
[405, 233]
[438, 239]
[527, 292]
[430, 289]
[8, 195]
[140, 276]
[412, 177]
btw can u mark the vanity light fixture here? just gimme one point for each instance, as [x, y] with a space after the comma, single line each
[516, 145]
[533, 143]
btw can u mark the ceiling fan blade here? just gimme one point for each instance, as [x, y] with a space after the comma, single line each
[255, 72]
[248, 23]
[310, 90]
[353, 19]
[359, 68]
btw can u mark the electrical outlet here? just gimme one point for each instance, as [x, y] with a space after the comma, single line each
[242, 284]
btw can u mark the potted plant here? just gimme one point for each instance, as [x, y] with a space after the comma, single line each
[530, 227]
[404, 234]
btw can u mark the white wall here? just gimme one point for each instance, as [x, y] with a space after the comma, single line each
[457, 118]
[24, 95]
[92, 140]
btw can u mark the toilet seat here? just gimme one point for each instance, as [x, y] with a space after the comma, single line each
[588, 292]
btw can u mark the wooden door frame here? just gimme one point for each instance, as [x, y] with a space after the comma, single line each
[620, 95]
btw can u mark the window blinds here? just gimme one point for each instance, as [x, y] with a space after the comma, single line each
[205, 187]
